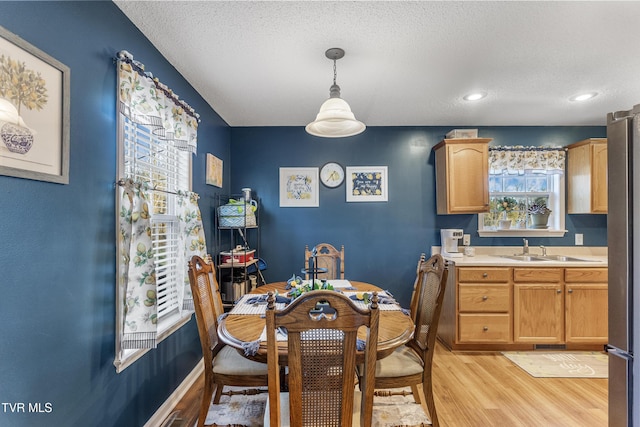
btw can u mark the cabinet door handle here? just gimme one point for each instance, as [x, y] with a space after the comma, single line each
[570, 291]
[484, 297]
[485, 275]
[485, 328]
[559, 291]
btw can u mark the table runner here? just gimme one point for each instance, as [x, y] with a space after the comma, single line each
[244, 308]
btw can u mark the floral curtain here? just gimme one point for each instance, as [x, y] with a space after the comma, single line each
[137, 268]
[192, 240]
[146, 101]
[518, 159]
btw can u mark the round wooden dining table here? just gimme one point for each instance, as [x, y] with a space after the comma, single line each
[395, 327]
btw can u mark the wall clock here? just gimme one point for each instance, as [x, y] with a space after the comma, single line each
[332, 174]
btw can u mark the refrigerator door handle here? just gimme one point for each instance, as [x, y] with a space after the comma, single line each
[614, 351]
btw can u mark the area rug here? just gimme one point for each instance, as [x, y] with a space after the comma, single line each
[561, 364]
[248, 410]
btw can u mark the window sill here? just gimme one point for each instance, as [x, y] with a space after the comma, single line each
[522, 232]
[127, 357]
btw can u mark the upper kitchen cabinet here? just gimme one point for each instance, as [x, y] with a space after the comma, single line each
[587, 174]
[462, 175]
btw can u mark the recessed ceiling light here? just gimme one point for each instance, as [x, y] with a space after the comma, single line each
[474, 96]
[583, 96]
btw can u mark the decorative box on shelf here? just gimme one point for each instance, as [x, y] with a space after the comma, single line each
[239, 255]
[462, 133]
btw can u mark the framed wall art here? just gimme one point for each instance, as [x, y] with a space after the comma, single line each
[34, 112]
[367, 184]
[299, 187]
[214, 171]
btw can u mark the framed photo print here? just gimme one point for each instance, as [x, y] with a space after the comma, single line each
[299, 187]
[367, 184]
[34, 112]
[214, 170]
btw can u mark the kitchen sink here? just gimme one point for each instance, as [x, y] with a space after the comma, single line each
[565, 258]
[562, 258]
[524, 257]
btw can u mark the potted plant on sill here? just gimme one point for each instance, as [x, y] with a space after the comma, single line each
[539, 213]
[505, 205]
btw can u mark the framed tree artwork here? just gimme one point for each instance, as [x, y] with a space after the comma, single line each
[34, 112]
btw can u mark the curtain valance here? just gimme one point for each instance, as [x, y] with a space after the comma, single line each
[146, 101]
[518, 159]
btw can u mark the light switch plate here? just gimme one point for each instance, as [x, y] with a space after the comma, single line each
[578, 239]
[466, 239]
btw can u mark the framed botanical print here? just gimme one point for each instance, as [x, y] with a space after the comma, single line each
[34, 112]
[299, 187]
[367, 183]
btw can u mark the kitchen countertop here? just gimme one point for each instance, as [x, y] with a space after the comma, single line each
[594, 256]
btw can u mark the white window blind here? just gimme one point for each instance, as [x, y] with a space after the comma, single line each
[166, 168]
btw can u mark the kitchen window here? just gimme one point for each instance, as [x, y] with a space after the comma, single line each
[521, 179]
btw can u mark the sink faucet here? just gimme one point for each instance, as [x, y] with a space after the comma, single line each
[525, 247]
[544, 250]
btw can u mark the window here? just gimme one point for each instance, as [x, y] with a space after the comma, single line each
[520, 180]
[158, 220]
[163, 166]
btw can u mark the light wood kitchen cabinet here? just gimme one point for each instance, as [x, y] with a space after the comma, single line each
[505, 308]
[538, 305]
[484, 305]
[586, 302]
[587, 176]
[462, 176]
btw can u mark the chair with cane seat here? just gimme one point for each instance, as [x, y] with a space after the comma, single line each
[321, 329]
[411, 364]
[223, 365]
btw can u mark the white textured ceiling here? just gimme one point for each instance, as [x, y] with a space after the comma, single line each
[406, 63]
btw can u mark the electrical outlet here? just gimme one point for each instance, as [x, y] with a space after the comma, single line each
[466, 239]
[578, 239]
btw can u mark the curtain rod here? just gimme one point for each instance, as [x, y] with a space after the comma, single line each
[523, 148]
[122, 183]
[137, 66]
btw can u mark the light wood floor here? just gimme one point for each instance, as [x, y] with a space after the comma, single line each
[475, 389]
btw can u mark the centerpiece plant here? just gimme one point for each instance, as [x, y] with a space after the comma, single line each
[297, 287]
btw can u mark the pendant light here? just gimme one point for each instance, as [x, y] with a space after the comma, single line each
[335, 119]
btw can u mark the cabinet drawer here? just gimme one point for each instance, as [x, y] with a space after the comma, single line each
[484, 274]
[538, 275]
[484, 328]
[586, 275]
[484, 298]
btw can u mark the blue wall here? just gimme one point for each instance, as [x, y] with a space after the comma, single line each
[382, 240]
[57, 262]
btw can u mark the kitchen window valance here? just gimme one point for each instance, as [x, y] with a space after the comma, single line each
[516, 160]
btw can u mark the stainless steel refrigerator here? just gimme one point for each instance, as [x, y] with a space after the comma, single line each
[623, 236]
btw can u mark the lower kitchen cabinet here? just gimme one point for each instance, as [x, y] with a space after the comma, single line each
[538, 305]
[587, 305]
[519, 308]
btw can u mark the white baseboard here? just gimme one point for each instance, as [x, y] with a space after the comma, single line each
[167, 407]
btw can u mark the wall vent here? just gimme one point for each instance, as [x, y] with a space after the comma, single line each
[549, 347]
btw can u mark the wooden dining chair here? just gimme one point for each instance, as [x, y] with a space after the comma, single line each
[322, 334]
[413, 305]
[223, 365]
[327, 256]
[411, 364]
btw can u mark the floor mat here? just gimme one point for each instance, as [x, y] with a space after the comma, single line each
[561, 364]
